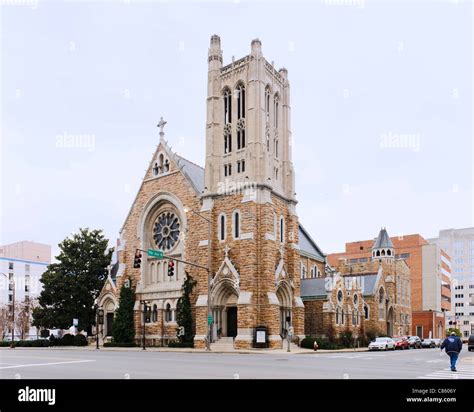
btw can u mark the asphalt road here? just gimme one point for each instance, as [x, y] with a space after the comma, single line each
[50, 363]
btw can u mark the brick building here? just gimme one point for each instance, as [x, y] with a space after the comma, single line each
[430, 272]
[245, 199]
[370, 296]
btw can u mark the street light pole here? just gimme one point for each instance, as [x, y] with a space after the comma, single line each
[13, 313]
[97, 326]
[209, 270]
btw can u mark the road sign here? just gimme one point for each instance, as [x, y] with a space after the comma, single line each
[209, 319]
[155, 253]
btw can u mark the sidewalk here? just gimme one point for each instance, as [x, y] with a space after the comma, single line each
[294, 351]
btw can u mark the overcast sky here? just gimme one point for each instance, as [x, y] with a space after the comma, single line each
[366, 78]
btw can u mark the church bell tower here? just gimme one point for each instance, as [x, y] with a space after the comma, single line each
[248, 136]
[249, 198]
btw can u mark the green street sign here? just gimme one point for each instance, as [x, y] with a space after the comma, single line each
[209, 319]
[155, 253]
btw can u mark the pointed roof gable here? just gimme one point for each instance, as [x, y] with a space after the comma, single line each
[383, 240]
[193, 173]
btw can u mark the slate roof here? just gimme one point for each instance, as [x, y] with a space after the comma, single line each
[313, 287]
[308, 245]
[193, 172]
[383, 240]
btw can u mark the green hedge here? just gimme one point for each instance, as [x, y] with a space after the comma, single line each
[308, 343]
[66, 340]
[119, 345]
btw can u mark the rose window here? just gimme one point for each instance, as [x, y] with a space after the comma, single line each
[166, 230]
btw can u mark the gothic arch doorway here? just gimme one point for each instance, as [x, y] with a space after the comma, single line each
[390, 319]
[109, 309]
[224, 309]
[284, 299]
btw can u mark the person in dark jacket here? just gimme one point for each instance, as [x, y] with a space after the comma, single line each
[453, 346]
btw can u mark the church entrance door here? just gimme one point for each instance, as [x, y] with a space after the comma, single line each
[232, 321]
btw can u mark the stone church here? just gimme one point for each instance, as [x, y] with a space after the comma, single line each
[242, 202]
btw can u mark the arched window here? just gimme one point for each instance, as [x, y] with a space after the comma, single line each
[378, 252]
[339, 296]
[303, 271]
[389, 252]
[154, 314]
[381, 295]
[155, 169]
[276, 173]
[168, 313]
[222, 227]
[275, 110]
[275, 142]
[383, 252]
[227, 106]
[236, 225]
[282, 229]
[240, 101]
[167, 165]
[366, 312]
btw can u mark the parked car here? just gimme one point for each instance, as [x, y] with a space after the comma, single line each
[414, 342]
[437, 342]
[401, 342]
[382, 344]
[428, 343]
[470, 342]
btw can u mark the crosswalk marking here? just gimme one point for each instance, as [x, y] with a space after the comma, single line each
[464, 372]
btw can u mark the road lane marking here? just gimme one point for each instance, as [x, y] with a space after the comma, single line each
[448, 374]
[44, 364]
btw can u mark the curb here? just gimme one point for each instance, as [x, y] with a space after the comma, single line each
[178, 350]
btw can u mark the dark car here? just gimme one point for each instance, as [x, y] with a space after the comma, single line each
[470, 343]
[430, 343]
[414, 342]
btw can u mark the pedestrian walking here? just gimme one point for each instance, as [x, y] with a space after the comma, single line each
[453, 346]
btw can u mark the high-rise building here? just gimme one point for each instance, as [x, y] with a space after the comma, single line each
[21, 267]
[459, 244]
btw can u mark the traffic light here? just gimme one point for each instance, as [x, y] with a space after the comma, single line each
[138, 259]
[170, 268]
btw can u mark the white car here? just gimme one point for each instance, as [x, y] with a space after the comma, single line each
[382, 344]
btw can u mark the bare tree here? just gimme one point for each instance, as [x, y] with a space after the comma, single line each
[23, 316]
[5, 321]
